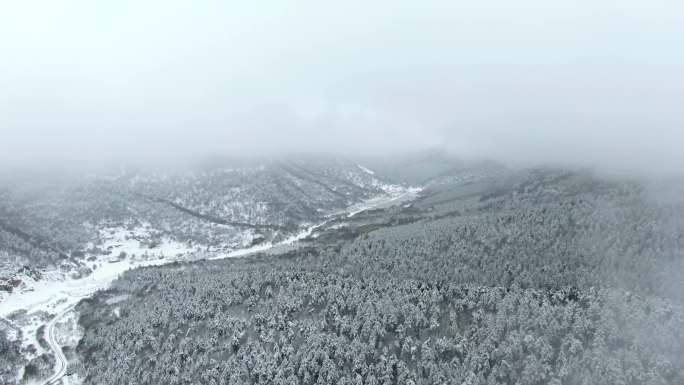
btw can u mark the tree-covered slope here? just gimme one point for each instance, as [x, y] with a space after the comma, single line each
[542, 277]
[62, 221]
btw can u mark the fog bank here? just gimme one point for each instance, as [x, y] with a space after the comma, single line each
[596, 83]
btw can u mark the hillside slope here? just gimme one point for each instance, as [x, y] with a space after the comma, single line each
[543, 277]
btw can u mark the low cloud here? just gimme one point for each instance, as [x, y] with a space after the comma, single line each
[598, 83]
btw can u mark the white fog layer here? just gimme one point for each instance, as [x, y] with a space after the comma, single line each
[304, 192]
[588, 82]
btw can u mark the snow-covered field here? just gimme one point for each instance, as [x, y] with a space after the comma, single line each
[366, 170]
[137, 242]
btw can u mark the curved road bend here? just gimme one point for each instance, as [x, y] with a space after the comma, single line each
[61, 365]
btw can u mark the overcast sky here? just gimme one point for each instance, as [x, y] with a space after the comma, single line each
[592, 82]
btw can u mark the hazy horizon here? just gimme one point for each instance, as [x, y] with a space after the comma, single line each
[593, 83]
[352, 192]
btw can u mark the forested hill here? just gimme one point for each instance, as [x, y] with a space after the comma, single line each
[539, 277]
[60, 223]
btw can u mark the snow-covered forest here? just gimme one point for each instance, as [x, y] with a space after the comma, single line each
[348, 192]
[540, 277]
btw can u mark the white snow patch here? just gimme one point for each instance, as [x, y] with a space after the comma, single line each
[395, 195]
[129, 248]
[116, 299]
[138, 241]
[366, 170]
[242, 252]
[58, 291]
[68, 331]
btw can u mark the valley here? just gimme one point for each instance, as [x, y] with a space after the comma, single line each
[534, 269]
[33, 306]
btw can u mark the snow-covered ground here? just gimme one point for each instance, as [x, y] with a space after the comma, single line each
[395, 195]
[135, 242]
[305, 233]
[129, 248]
[366, 170]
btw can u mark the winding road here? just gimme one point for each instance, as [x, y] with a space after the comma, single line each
[61, 360]
[61, 365]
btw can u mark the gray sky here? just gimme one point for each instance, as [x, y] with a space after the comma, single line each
[592, 82]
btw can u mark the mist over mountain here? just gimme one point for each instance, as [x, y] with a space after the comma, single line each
[598, 83]
[316, 193]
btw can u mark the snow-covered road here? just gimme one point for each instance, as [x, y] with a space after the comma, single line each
[61, 364]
